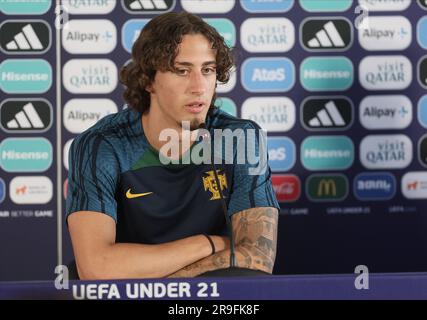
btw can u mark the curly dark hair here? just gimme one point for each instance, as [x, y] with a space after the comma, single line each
[156, 49]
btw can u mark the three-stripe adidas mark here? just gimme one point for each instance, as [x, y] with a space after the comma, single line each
[148, 5]
[25, 40]
[327, 37]
[328, 117]
[26, 119]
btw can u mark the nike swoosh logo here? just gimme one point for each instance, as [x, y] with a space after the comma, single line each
[130, 195]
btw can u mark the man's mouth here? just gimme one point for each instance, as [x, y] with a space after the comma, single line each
[195, 107]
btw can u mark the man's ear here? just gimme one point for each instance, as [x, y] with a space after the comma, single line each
[149, 88]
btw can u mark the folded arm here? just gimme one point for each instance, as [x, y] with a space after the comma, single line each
[99, 257]
[255, 234]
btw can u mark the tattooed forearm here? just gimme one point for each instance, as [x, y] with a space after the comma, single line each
[255, 232]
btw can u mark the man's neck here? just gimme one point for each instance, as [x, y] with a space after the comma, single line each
[153, 129]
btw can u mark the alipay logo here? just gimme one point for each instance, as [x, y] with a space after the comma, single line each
[331, 187]
[225, 28]
[326, 34]
[385, 112]
[385, 5]
[414, 185]
[25, 115]
[281, 153]
[31, 190]
[385, 72]
[89, 7]
[90, 76]
[326, 74]
[386, 151]
[89, 36]
[81, 114]
[25, 154]
[320, 114]
[268, 74]
[325, 5]
[25, 76]
[208, 6]
[267, 35]
[28, 7]
[131, 31]
[422, 111]
[21, 37]
[261, 6]
[386, 33]
[327, 153]
[275, 114]
[148, 6]
[374, 186]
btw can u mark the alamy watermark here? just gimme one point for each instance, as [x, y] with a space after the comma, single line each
[239, 146]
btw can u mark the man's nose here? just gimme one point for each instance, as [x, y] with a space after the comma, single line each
[197, 83]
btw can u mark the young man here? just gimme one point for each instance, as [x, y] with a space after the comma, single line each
[130, 215]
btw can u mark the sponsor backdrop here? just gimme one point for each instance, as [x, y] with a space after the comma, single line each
[340, 85]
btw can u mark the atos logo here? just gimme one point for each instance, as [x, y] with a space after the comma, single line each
[268, 74]
[324, 34]
[148, 6]
[386, 33]
[374, 186]
[286, 186]
[281, 153]
[275, 114]
[130, 32]
[261, 6]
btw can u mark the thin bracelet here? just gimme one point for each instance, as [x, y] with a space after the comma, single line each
[211, 242]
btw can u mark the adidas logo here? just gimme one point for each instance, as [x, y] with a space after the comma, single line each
[318, 114]
[24, 37]
[149, 5]
[319, 34]
[34, 116]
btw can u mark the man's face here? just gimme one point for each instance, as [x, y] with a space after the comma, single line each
[185, 95]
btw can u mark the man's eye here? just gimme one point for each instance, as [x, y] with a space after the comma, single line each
[209, 70]
[182, 72]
